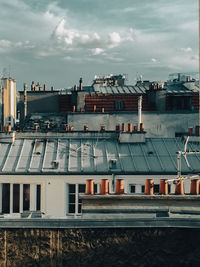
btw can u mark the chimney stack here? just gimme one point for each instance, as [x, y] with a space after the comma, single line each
[139, 111]
[45, 87]
[33, 86]
[52, 88]
[25, 100]
[80, 84]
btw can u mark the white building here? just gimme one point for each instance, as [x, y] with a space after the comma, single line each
[47, 171]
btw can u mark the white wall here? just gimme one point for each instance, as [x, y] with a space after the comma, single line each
[156, 124]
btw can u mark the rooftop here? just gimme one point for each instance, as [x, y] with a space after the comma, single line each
[93, 153]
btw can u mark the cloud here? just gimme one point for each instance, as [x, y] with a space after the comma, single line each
[186, 50]
[154, 60]
[70, 39]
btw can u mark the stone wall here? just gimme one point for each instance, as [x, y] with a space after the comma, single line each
[100, 247]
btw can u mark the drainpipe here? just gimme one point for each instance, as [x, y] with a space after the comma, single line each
[25, 100]
[139, 111]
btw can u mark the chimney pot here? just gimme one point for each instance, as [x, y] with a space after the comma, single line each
[102, 128]
[85, 128]
[141, 127]
[130, 127]
[102, 110]
[117, 128]
[135, 128]
[94, 108]
[149, 187]
[163, 189]
[74, 108]
[190, 130]
[179, 187]
[52, 88]
[104, 187]
[197, 130]
[119, 186]
[123, 127]
[194, 187]
[89, 187]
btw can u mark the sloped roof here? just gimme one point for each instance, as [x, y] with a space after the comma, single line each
[81, 155]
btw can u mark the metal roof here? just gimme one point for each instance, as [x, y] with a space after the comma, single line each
[94, 155]
[171, 88]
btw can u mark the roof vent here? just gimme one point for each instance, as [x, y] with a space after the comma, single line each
[55, 164]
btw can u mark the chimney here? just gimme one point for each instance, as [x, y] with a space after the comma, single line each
[123, 127]
[117, 128]
[94, 108]
[85, 128]
[102, 110]
[130, 127]
[141, 127]
[135, 128]
[89, 187]
[194, 187]
[163, 189]
[104, 187]
[139, 111]
[197, 130]
[179, 187]
[36, 127]
[75, 88]
[52, 88]
[149, 187]
[119, 186]
[25, 100]
[33, 86]
[74, 108]
[102, 129]
[80, 84]
[190, 130]
[45, 87]
[9, 129]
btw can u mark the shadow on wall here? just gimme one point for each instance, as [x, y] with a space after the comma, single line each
[100, 247]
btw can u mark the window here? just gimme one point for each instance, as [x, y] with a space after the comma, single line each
[74, 201]
[156, 188]
[143, 188]
[16, 198]
[119, 105]
[132, 188]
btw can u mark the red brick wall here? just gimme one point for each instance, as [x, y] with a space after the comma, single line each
[65, 103]
[108, 102]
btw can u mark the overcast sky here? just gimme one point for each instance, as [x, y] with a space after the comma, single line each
[56, 42]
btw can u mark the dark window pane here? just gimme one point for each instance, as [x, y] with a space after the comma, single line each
[79, 208]
[143, 188]
[81, 188]
[95, 188]
[79, 200]
[26, 196]
[38, 201]
[169, 188]
[71, 208]
[156, 188]
[72, 198]
[132, 189]
[16, 198]
[72, 188]
[6, 198]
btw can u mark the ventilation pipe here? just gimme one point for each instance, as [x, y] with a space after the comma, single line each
[139, 111]
[80, 84]
[25, 100]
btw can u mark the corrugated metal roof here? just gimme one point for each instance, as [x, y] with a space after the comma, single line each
[175, 88]
[94, 155]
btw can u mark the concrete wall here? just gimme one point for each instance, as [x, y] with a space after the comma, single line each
[155, 124]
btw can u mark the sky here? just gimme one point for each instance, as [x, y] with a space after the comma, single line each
[57, 42]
